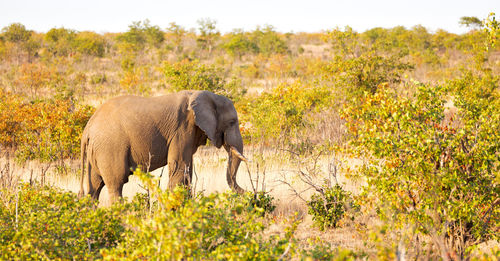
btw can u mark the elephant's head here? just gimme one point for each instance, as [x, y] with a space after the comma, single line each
[216, 116]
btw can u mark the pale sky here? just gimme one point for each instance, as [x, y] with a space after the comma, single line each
[286, 16]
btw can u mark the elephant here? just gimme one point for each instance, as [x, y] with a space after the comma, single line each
[129, 131]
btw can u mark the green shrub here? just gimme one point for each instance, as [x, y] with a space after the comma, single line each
[141, 34]
[16, 33]
[329, 206]
[218, 226]
[281, 113]
[430, 176]
[42, 223]
[492, 29]
[90, 43]
[261, 202]
[238, 44]
[268, 41]
[193, 75]
[60, 41]
[322, 251]
[366, 72]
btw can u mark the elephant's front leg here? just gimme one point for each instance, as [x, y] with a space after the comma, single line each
[180, 166]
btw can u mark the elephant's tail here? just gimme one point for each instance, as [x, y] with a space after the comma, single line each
[83, 156]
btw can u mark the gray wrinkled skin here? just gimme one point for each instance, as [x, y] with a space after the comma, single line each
[131, 131]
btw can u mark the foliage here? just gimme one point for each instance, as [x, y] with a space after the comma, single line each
[239, 44]
[140, 34]
[42, 223]
[16, 33]
[438, 175]
[133, 80]
[21, 38]
[328, 207]
[48, 131]
[176, 33]
[492, 28]
[260, 201]
[296, 84]
[90, 43]
[214, 227]
[366, 72]
[60, 41]
[35, 77]
[208, 34]
[344, 43]
[322, 251]
[281, 112]
[470, 21]
[268, 41]
[194, 75]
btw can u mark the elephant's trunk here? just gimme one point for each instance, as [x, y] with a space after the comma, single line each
[235, 155]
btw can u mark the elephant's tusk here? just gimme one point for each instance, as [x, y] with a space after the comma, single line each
[238, 154]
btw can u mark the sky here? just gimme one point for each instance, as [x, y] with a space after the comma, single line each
[104, 16]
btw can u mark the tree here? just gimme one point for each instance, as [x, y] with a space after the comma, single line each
[268, 41]
[60, 41]
[239, 44]
[141, 34]
[90, 43]
[153, 34]
[16, 33]
[208, 34]
[470, 21]
[177, 34]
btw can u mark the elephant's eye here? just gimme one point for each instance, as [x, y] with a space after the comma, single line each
[232, 122]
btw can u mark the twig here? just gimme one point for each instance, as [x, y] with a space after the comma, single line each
[250, 177]
[292, 189]
[196, 183]
[17, 206]
[286, 252]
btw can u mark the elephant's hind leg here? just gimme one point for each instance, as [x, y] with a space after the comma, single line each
[114, 179]
[97, 192]
[114, 192]
[95, 184]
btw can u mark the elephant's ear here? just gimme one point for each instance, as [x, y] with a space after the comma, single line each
[204, 106]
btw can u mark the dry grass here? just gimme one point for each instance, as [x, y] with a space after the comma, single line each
[270, 167]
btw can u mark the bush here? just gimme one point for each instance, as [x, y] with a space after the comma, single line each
[141, 34]
[281, 114]
[366, 72]
[48, 131]
[260, 201]
[440, 178]
[238, 44]
[322, 251]
[193, 75]
[16, 33]
[134, 79]
[43, 223]
[90, 43]
[60, 41]
[218, 226]
[35, 78]
[268, 41]
[328, 207]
